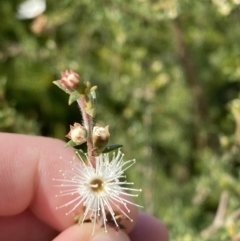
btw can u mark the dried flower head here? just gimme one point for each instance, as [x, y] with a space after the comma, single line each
[98, 189]
[77, 133]
[100, 136]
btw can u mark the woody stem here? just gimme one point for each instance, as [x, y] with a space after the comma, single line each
[88, 124]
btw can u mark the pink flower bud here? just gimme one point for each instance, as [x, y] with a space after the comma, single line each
[77, 133]
[69, 80]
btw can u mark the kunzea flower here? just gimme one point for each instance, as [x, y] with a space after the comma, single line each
[98, 190]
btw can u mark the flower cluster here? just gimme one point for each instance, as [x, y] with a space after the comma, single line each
[96, 183]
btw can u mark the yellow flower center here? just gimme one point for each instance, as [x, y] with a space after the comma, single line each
[96, 185]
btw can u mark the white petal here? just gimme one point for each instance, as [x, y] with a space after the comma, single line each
[31, 9]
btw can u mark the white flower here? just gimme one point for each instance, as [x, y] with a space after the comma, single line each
[98, 189]
[31, 9]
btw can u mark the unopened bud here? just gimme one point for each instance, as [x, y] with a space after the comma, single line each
[100, 137]
[77, 133]
[69, 80]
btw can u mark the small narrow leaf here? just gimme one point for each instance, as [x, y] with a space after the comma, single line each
[93, 88]
[90, 111]
[89, 107]
[70, 143]
[81, 155]
[73, 97]
[93, 96]
[61, 87]
[111, 148]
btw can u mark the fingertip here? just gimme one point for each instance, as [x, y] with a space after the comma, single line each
[28, 165]
[84, 233]
[74, 233]
[110, 236]
[149, 228]
[25, 226]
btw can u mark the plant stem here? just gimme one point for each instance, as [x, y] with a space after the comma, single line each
[200, 105]
[88, 124]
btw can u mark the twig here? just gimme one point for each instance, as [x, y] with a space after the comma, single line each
[234, 215]
[87, 122]
[190, 74]
[236, 237]
[219, 217]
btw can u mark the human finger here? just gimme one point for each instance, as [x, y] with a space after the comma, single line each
[25, 226]
[28, 165]
[148, 228]
[84, 233]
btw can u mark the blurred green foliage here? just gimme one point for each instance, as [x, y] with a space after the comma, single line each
[168, 77]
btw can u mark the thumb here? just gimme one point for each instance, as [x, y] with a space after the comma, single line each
[84, 233]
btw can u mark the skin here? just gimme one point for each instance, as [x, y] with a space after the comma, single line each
[28, 203]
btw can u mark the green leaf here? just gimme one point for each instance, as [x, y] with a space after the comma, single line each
[90, 111]
[89, 107]
[93, 88]
[71, 143]
[61, 87]
[73, 97]
[111, 148]
[93, 96]
[81, 155]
